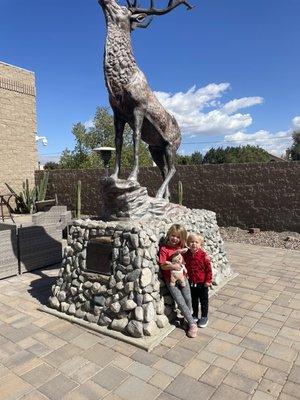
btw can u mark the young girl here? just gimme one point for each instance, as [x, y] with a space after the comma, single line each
[200, 276]
[175, 242]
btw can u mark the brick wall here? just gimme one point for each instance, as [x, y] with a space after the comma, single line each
[246, 195]
[18, 156]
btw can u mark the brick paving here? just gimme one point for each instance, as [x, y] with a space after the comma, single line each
[250, 349]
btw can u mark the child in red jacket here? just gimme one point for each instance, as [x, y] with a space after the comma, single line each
[200, 276]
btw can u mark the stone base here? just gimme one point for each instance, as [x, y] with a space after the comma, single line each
[131, 298]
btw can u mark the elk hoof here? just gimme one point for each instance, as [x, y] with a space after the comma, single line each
[114, 176]
[132, 178]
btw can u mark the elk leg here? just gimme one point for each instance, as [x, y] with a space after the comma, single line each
[158, 157]
[119, 124]
[138, 122]
[169, 159]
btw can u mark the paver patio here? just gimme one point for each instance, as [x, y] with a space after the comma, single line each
[250, 350]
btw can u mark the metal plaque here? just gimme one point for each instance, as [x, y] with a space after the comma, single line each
[99, 255]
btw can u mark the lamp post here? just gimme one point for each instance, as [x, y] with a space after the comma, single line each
[105, 155]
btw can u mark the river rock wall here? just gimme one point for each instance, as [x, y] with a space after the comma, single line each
[133, 299]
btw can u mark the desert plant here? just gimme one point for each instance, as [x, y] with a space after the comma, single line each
[25, 200]
[78, 200]
[41, 188]
[180, 192]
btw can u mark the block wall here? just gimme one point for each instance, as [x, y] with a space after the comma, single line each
[264, 195]
[18, 154]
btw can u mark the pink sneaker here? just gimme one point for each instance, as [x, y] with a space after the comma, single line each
[192, 331]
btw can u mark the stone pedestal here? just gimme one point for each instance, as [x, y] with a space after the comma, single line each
[131, 297]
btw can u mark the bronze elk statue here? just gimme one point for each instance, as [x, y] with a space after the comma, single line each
[130, 96]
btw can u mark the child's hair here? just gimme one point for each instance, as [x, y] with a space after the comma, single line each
[193, 235]
[179, 230]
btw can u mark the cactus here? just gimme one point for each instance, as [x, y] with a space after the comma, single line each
[25, 201]
[180, 192]
[78, 200]
[41, 188]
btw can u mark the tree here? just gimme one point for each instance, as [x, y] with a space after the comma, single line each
[100, 134]
[295, 149]
[196, 158]
[241, 154]
[52, 165]
[192, 159]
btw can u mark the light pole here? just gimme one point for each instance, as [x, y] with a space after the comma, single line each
[105, 155]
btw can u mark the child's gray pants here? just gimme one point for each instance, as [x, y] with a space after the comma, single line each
[182, 296]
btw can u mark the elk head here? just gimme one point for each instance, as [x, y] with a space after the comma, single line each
[133, 16]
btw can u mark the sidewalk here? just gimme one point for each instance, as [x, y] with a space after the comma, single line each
[250, 350]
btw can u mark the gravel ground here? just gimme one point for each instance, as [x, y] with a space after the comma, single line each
[284, 240]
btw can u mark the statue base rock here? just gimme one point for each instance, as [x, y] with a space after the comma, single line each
[130, 297]
[124, 199]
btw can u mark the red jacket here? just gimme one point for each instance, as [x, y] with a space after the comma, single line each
[198, 266]
[165, 253]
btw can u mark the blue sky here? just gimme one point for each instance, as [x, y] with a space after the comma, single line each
[228, 70]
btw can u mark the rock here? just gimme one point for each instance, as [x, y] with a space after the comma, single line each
[92, 318]
[115, 307]
[119, 275]
[134, 240]
[147, 298]
[53, 302]
[150, 328]
[137, 262]
[55, 290]
[160, 307]
[128, 305]
[99, 300]
[129, 287]
[72, 309]
[126, 259]
[97, 310]
[149, 312]
[73, 290]
[132, 276]
[146, 277]
[139, 313]
[96, 287]
[162, 321]
[104, 320]
[120, 285]
[119, 324]
[112, 282]
[135, 328]
[80, 313]
[139, 299]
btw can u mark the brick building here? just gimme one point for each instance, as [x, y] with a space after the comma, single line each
[18, 153]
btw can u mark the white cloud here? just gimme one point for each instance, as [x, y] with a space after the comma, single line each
[201, 112]
[236, 104]
[189, 110]
[296, 123]
[275, 143]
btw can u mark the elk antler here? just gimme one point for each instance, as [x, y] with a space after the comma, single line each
[132, 6]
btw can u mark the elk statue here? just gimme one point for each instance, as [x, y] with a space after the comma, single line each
[130, 96]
